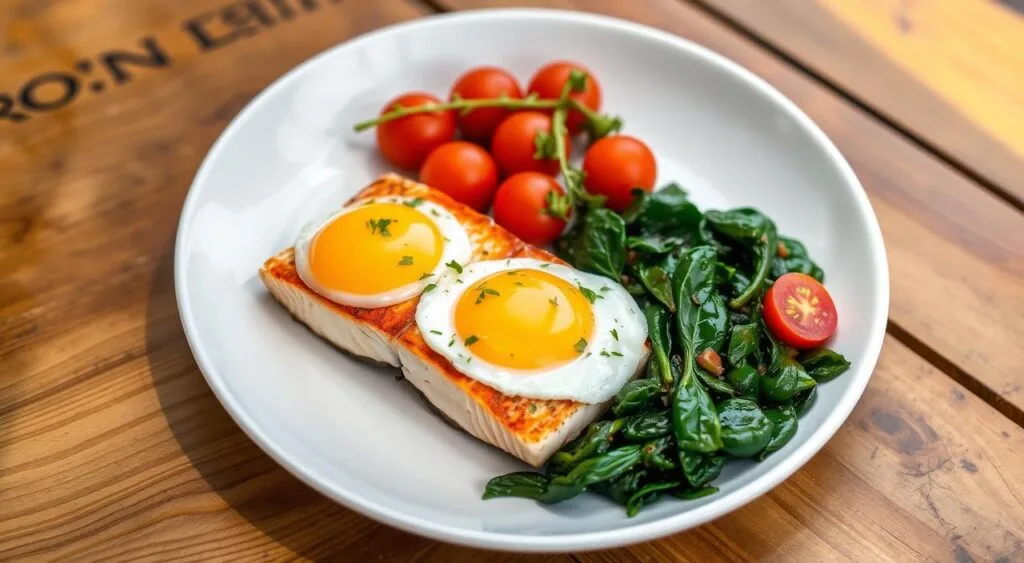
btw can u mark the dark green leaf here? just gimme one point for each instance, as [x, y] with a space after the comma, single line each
[654, 244]
[661, 342]
[824, 364]
[623, 487]
[694, 494]
[805, 400]
[764, 250]
[744, 341]
[525, 484]
[745, 429]
[594, 442]
[636, 395]
[744, 225]
[784, 423]
[604, 467]
[784, 379]
[745, 380]
[694, 418]
[655, 454]
[796, 260]
[701, 469]
[647, 495]
[715, 384]
[600, 245]
[665, 210]
[657, 281]
[647, 426]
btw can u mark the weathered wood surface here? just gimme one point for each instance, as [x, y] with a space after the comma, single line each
[112, 447]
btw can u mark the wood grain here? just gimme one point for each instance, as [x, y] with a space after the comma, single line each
[950, 72]
[942, 232]
[112, 446]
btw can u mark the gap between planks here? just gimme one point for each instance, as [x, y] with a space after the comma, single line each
[926, 352]
[732, 24]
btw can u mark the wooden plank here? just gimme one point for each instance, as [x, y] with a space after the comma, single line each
[950, 72]
[921, 471]
[956, 253]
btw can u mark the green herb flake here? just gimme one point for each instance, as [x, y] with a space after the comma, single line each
[471, 340]
[433, 331]
[452, 341]
[533, 408]
[455, 266]
[519, 283]
[414, 202]
[605, 353]
[429, 287]
[435, 213]
[545, 265]
[581, 345]
[589, 293]
[615, 334]
[425, 275]
[405, 261]
[618, 354]
[380, 226]
[553, 301]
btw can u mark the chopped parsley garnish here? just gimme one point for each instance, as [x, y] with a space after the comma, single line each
[605, 353]
[484, 292]
[471, 340]
[545, 265]
[604, 288]
[455, 266]
[414, 202]
[614, 353]
[429, 287]
[533, 408]
[433, 331]
[589, 293]
[380, 226]
[435, 213]
[405, 261]
[519, 283]
[425, 275]
[553, 301]
[581, 345]
[615, 333]
[452, 341]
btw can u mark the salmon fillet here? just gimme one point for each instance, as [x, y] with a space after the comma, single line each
[530, 429]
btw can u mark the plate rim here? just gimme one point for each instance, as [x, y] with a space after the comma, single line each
[576, 541]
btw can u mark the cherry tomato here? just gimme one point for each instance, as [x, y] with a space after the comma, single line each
[513, 144]
[548, 83]
[407, 141]
[521, 207]
[617, 164]
[462, 170]
[484, 82]
[799, 311]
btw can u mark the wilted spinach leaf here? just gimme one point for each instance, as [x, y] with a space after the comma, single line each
[666, 211]
[784, 423]
[824, 364]
[745, 429]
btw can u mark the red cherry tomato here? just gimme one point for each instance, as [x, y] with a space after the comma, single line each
[514, 146]
[484, 82]
[407, 141]
[617, 164]
[548, 83]
[521, 207]
[799, 311]
[462, 170]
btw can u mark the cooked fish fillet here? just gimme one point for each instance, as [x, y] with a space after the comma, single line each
[367, 332]
[530, 429]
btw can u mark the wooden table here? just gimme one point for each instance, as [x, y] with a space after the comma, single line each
[112, 446]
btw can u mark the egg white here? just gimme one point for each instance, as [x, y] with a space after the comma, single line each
[456, 247]
[594, 377]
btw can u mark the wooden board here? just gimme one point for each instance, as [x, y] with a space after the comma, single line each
[950, 73]
[112, 446]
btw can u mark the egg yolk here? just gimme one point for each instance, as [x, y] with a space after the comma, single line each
[524, 319]
[375, 248]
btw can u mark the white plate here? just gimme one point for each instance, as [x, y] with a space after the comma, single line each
[365, 440]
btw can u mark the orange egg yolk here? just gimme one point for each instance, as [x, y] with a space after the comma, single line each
[524, 319]
[375, 248]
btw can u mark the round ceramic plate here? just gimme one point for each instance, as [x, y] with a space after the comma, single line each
[360, 437]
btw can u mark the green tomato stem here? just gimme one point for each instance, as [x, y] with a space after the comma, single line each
[462, 105]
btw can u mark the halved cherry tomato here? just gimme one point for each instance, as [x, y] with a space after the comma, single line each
[514, 144]
[407, 141]
[521, 207]
[462, 170]
[484, 82]
[548, 83]
[615, 165]
[799, 311]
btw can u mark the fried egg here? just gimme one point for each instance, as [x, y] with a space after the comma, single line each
[380, 251]
[535, 329]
